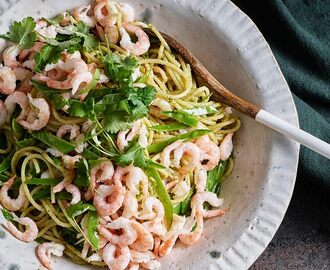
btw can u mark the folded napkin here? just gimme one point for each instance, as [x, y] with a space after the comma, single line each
[298, 32]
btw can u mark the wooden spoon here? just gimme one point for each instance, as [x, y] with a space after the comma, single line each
[204, 77]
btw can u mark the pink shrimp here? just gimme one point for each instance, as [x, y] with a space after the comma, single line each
[226, 146]
[69, 162]
[9, 203]
[117, 258]
[7, 80]
[191, 237]
[22, 73]
[10, 56]
[106, 12]
[191, 150]
[78, 74]
[172, 235]
[124, 137]
[45, 250]
[166, 154]
[138, 48]
[38, 115]
[101, 173]
[200, 178]
[127, 236]
[108, 199]
[31, 229]
[142, 257]
[157, 106]
[209, 151]
[130, 205]
[81, 15]
[75, 192]
[144, 240]
[200, 198]
[112, 33]
[74, 131]
[132, 176]
[45, 31]
[3, 113]
[17, 98]
[68, 178]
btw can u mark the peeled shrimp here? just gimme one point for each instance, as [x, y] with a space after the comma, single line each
[210, 151]
[127, 12]
[132, 176]
[124, 137]
[7, 80]
[69, 162]
[112, 33]
[106, 12]
[74, 131]
[200, 179]
[36, 120]
[144, 240]
[172, 235]
[127, 236]
[141, 257]
[78, 74]
[75, 192]
[138, 48]
[166, 154]
[130, 205]
[191, 150]
[108, 199]
[3, 113]
[191, 237]
[152, 209]
[46, 249]
[31, 229]
[100, 173]
[44, 30]
[80, 15]
[68, 178]
[200, 198]
[159, 105]
[17, 98]
[9, 203]
[10, 56]
[117, 258]
[226, 146]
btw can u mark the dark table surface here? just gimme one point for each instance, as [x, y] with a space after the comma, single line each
[303, 240]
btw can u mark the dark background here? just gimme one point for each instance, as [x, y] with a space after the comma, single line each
[298, 32]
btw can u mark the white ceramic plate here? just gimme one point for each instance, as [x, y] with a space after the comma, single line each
[259, 190]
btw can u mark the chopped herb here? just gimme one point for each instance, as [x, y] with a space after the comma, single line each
[22, 33]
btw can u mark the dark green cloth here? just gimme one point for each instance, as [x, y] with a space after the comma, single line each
[298, 32]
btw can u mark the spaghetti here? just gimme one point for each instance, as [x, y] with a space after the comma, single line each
[114, 149]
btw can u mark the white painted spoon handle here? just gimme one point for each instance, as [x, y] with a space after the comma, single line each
[293, 133]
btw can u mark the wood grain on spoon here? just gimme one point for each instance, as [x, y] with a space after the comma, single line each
[204, 77]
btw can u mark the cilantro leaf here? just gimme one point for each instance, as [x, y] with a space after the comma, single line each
[79, 208]
[22, 33]
[116, 121]
[145, 94]
[118, 69]
[134, 154]
[48, 54]
[89, 40]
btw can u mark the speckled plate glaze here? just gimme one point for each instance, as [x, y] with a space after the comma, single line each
[259, 190]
